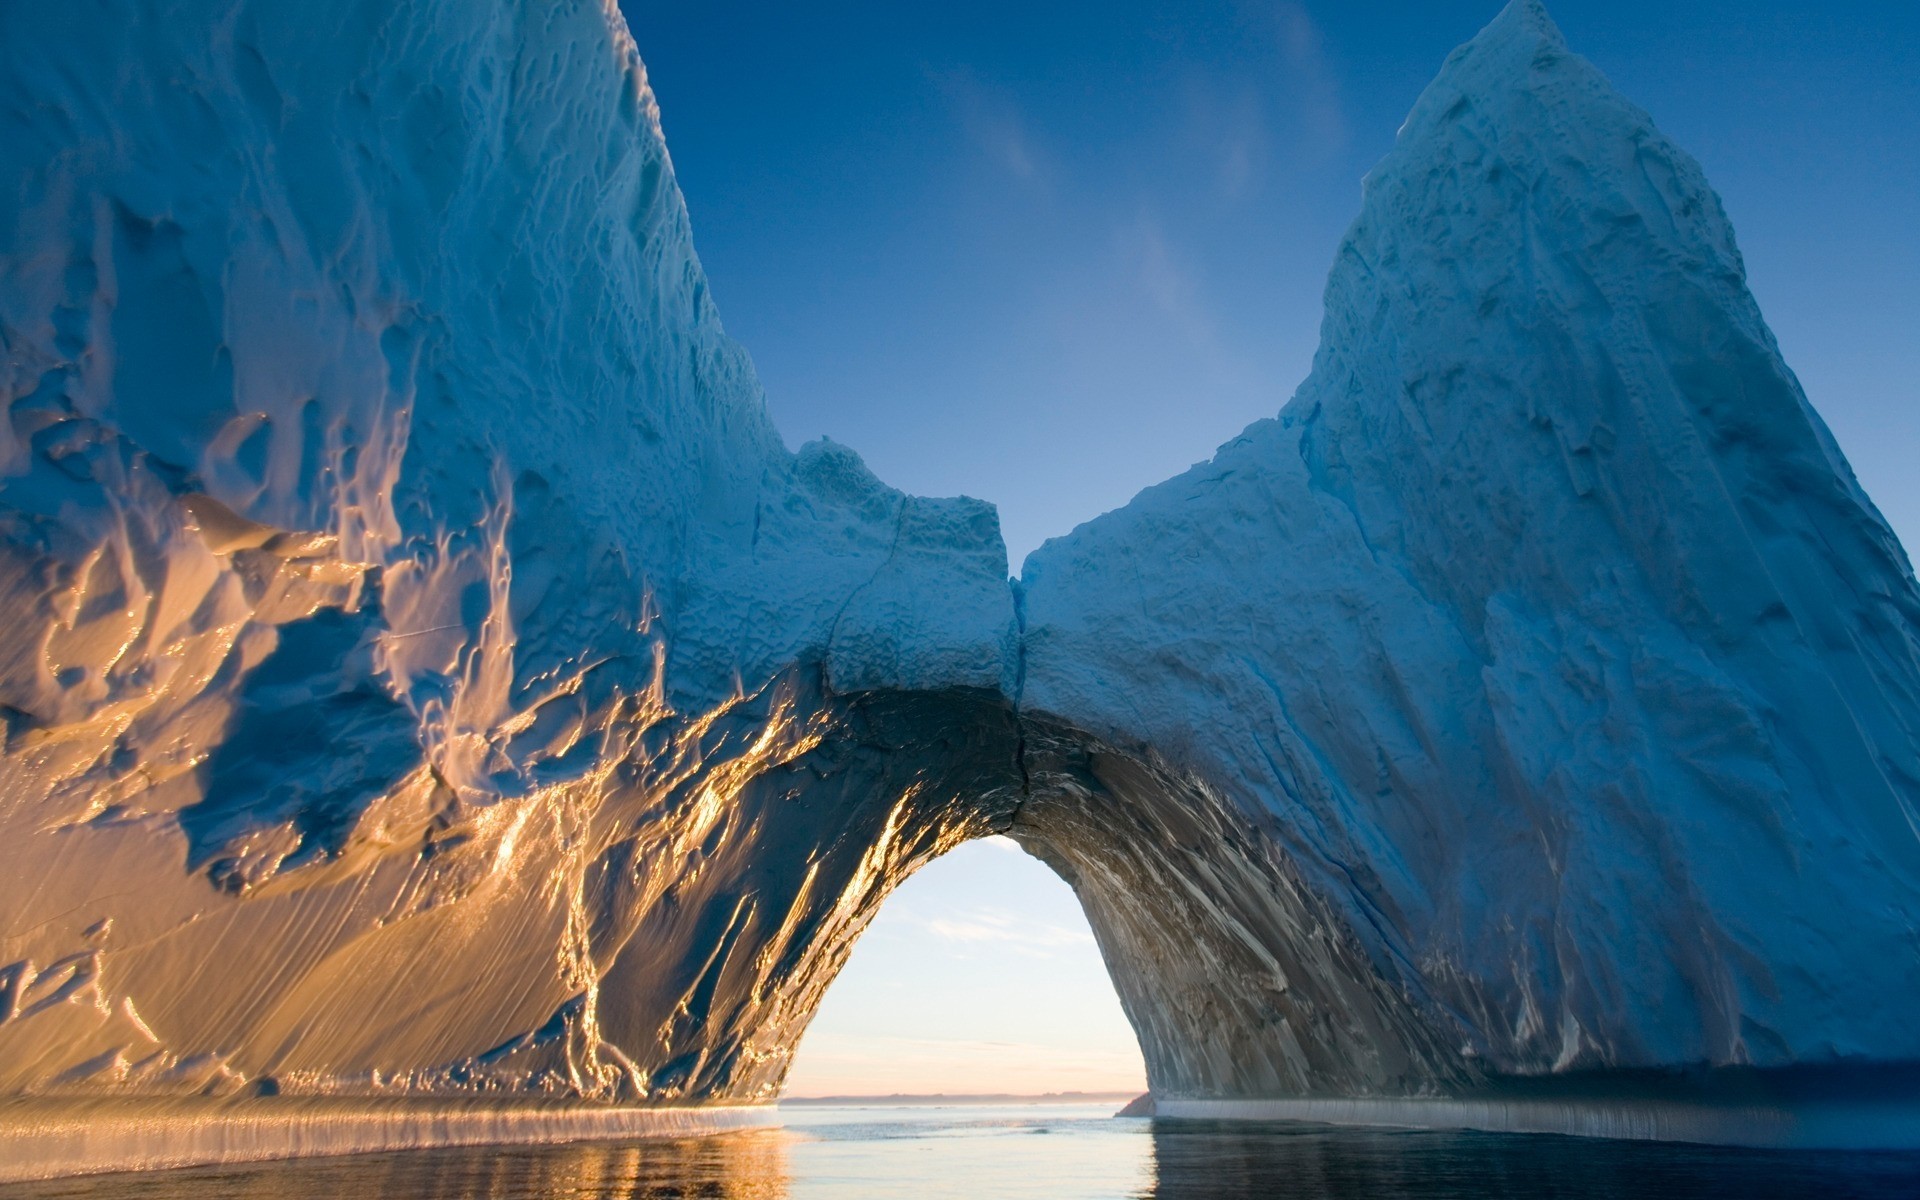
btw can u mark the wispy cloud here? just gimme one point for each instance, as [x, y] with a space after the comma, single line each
[993, 926]
[1283, 97]
[1174, 288]
[993, 124]
[1237, 157]
[1226, 124]
[1311, 88]
[1275, 99]
[1305, 52]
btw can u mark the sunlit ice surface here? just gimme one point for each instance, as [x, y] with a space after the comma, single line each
[1056, 1152]
[979, 976]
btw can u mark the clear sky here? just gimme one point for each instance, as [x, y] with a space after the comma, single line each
[1050, 253]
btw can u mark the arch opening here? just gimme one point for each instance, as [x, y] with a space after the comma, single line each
[1236, 976]
[979, 977]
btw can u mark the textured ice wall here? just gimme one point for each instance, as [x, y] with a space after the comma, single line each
[1546, 627]
[426, 672]
[398, 561]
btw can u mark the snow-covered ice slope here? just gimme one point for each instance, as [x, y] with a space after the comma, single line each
[427, 677]
[1546, 622]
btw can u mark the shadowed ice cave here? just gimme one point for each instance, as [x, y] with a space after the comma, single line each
[429, 680]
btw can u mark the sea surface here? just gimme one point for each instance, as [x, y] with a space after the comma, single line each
[1043, 1152]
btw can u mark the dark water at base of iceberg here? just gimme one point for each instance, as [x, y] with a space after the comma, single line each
[1055, 1152]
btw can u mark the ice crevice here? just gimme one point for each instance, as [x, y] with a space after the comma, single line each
[435, 699]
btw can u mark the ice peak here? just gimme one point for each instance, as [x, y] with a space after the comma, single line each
[1520, 52]
[1520, 151]
[1523, 17]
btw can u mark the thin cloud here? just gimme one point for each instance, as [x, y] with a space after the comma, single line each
[993, 124]
[1295, 78]
[1236, 167]
[1174, 289]
[988, 926]
[1226, 125]
[1313, 90]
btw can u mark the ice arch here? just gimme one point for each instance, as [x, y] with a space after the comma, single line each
[426, 674]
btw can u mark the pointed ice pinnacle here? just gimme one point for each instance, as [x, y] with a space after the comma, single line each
[1547, 621]
[425, 672]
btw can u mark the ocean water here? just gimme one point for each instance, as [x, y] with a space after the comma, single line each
[1046, 1152]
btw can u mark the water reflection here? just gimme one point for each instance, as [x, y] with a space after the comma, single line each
[739, 1166]
[1053, 1153]
[1205, 1161]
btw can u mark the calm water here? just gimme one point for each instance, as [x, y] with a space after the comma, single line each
[1046, 1153]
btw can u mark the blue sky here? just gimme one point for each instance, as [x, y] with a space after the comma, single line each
[1051, 253]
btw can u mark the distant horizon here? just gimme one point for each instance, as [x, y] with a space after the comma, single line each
[919, 1098]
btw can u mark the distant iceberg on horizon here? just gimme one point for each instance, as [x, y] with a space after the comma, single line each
[431, 687]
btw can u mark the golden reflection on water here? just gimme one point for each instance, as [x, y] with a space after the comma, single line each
[743, 1166]
[750, 1165]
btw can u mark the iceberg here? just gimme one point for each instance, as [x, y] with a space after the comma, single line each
[431, 687]
[1546, 629]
